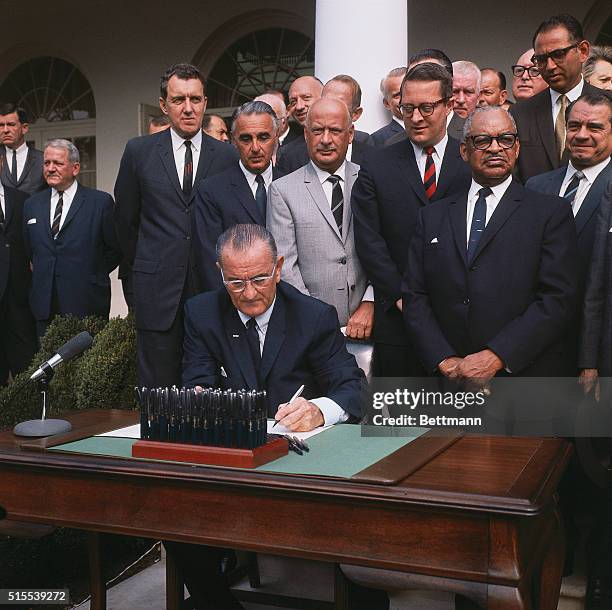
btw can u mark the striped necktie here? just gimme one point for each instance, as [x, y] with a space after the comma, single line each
[429, 178]
[57, 216]
[337, 204]
[572, 187]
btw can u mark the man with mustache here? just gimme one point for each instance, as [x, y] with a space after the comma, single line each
[239, 194]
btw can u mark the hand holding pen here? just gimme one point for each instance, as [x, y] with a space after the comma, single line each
[299, 414]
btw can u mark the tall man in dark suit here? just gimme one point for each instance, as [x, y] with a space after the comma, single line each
[560, 51]
[491, 279]
[155, 192]
[390, 89]
[238, 195]
[23, 165]
[582, 183]
[70, 239]
[394, 183]
[18, 342]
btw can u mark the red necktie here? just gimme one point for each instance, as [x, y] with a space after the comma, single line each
[429, 179]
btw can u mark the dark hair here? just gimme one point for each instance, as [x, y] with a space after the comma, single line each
[500, 75]
[355, 88]
[207, 119]
[441, 56]
[599, 98]
[256, 107]
[182, 71]
[565, 20]
[429, 72]
[242, 237]
[9, 108]
[160, 121]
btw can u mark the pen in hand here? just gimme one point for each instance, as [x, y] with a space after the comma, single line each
[296, 395]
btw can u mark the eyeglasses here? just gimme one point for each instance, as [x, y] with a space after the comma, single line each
[239, 285]
[557, 55]
[425, 109]
[532, 71]
[505, 140]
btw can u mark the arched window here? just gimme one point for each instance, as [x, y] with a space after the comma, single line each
[60, 104]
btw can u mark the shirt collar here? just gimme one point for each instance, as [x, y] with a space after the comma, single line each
[251, 177]
[262, 320]
[498, 190]
[572, 95]
[439, 148]
[23, 147]
[177, 141]
[590, 173]
[69, 192]
[323, 175]
[398, 121]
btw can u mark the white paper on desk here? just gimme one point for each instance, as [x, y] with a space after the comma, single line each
[280, 429]
[128, 432]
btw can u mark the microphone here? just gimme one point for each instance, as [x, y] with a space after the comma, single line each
[68, 351]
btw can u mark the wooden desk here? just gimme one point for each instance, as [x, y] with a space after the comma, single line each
[481, 516]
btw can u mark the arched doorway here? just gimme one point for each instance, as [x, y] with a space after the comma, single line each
[60, 104]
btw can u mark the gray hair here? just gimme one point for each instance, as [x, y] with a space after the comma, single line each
[468, 68]
[467, 126]
[73, 151]
[392, 74]
[596, 54]
[255, 107]
[242, 237]
[271, 100]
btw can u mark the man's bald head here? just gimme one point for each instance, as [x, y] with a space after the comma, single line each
[302, 93]
[330, 105]
[280, 110]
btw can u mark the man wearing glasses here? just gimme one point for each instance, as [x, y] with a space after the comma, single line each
[490, 283]
[526, 81]
[394, 183]
[560, 51]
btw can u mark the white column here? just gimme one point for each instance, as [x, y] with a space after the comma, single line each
[365, 39]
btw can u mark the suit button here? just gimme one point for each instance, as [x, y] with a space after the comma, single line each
[466, 301]
[343, 260]
[352, 286]
[187, 237]
[473, 268]
[7, 245]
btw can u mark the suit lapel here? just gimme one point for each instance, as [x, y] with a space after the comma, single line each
[26, 167]
[7, 177]
[450, 164]
[592, 200]
[243, 193]
[75, 206]
[206, 158]
[8, 209]
[315, 189]
[351, 173]
[237, 341]
[543, 119]
[275, 336]
[410, 171]
[166, 154]
[458, 214]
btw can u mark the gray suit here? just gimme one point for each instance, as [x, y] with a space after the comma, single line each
[318, 261]
[31, 178]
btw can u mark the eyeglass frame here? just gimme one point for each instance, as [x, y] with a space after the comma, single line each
[433, 104]
[535, 59]
[524, 69]
[496, 138]
[262, 278]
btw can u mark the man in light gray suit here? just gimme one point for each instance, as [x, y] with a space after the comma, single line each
[310, 216]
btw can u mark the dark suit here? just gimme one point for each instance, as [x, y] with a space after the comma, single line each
[550, 183]
[386, 199]
[303, 345]
[454, 130]
[380, 136]
[155, 227]
[31, 178]
[536, 132]
[515, 297]
[70, 273]
[18, 342]
[295, 155]
[221, 202]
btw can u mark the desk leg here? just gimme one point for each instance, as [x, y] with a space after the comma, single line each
[96, 574]
[174, 584]
[552, 567]
[508, 598]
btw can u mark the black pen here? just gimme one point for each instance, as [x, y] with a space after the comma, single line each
[296, 395]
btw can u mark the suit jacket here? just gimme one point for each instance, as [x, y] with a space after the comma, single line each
[77, 263]
[15, 275]
[303, 345]
[386, 199]
[155, 223]
[31, 179]
[454, 130]
[596, 335]
[380, 136]
[536, 133]
[221, 202]
[318, 260]
[515, 297]
[295, 155]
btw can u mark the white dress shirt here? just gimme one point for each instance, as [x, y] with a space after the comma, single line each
[251, 178]
[22, 155]
[67, 198]
[332, 412]
[572, 95]
[2, 201]
[492, 202]
[179, 148]
[438, 155]
[590, 175]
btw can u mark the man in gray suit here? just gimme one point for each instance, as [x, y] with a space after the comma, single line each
[310, 216]
[23, 165]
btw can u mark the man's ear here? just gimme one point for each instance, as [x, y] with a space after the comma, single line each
[463, 152]
[279, 265]
[163, 105]
[357, 113]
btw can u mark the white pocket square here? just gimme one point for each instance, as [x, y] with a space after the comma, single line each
[32, 221]
[223, 373]
[434, 240]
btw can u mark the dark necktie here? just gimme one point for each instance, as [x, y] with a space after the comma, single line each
[337, 203]
[14, 165]
[253, 340]
[2, 217]
[429, 178]
[479, 220]
[188, 170]
[57, 216]
[261, 199]
[572, 187]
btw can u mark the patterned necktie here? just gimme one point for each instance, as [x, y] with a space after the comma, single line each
[560, 126]
[261, 198]
[479, 220]
[188, 170]
[572, 187]
[337, 203]
[14, 165]
[57, 216]
[429, 178]
[254, 348]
